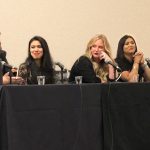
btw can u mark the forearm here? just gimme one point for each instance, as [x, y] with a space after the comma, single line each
[111, 72]
[134, 71]
[129, 75]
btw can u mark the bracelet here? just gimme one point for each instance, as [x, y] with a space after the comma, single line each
[136, 63]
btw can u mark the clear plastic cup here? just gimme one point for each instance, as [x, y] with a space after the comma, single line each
[78, 79]
[41, 80]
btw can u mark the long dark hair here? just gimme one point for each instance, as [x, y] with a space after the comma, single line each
[120, 52]
[46, 61]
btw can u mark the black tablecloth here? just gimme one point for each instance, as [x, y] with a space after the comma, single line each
[53, 117]
[112, 116]
[126, 116]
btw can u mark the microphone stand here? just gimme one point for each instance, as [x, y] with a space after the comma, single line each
[119, 71]
[61, 71]
[1, 73]
[62, 74]
[10, 75]
[119, 74]
[148, 61]
[116, 68]
[118, 77]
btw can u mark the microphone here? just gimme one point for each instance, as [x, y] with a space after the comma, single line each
[114, 65]
[6, 65]
[148, 61]
[59, 64]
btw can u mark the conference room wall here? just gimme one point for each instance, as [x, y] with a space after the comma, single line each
[67, 25]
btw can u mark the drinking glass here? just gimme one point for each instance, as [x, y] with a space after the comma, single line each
[41, 80]
[78, 79]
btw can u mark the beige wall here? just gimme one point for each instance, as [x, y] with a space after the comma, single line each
[67, 25]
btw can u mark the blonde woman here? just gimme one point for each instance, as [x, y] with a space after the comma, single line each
[91, 66]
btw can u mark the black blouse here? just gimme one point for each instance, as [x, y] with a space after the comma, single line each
[83, 67]
[30, 73]
[125, 65]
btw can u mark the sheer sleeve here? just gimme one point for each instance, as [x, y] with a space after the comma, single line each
[23, 72]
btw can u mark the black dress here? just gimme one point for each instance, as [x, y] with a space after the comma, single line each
[83, 67]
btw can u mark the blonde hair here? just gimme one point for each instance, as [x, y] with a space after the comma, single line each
[101, 69]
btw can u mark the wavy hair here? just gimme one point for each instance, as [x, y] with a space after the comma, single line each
[101, 69]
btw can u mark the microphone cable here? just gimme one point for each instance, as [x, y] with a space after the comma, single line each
[109, 115]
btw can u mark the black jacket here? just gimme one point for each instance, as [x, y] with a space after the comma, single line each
[3, 58]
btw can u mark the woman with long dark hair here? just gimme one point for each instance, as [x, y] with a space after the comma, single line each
[38, 63]
[131, 61]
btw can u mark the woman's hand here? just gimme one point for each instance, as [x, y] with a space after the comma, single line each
[17, 80]
[134, 78]
[138, 57]
[14, 80]
[105, 57]
[6, 78]
[142, 62]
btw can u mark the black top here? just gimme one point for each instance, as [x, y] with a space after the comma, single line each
[3, 58]
[30, 73]
[83, 67]
[125, 65]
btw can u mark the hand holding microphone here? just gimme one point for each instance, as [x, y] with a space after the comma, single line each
[13, 69]
[6, 65]
[104, 56]
[107, 60]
